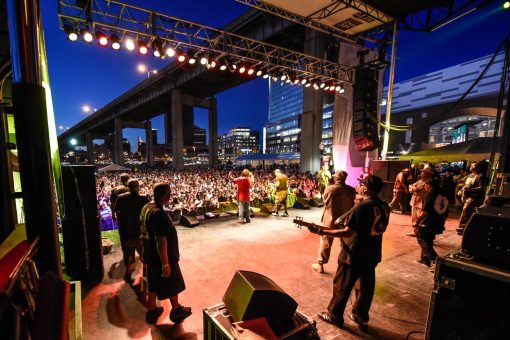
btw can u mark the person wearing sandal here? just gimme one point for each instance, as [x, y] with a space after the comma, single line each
[161, 254]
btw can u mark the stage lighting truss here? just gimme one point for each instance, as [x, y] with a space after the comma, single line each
[134, 24]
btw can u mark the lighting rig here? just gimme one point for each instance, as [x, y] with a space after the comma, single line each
[123, 26]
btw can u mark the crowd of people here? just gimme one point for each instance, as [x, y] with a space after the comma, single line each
[207, 188]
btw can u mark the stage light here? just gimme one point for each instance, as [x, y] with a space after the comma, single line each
[506, 5]
[142, 47]
[157, 48]
[223, 67]
[212, 64]
[342, 90]
[71, 33]
[130, 44]
[337, 88]
[303, 81]
[101, 39]
[283, 77]
[115, 42]
[191, 58]
[170, 52]
[203, 60]
[308, 84]
[251, 71]
[181, 58]
[332, 88]
[86, 35]
[73, 142]
[265, 76]
[242, 69]
[315, 86]
[295, 81]
[322, 85]
[259, 73]
[274, 78]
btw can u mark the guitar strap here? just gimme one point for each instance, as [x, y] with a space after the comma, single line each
[343, 219]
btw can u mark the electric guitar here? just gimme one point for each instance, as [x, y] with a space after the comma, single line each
[314, 228]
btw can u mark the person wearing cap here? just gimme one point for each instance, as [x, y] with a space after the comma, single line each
[361, 251]
[400, 191]
[431, 221]
[118, 190]
[128, 207]
[338, 199]
[281, 185]
[243, 194]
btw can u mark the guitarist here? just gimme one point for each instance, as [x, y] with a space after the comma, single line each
[361, 252]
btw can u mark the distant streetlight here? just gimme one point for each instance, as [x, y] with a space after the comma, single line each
[85, 108]
[142, 68]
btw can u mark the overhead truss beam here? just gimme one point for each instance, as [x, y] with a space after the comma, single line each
[135, 22]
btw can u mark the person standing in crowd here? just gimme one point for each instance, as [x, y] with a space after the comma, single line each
[118, 190]
[128, 207]
[400, 191]
[161, 255]
[243, 194]
[281, 185]
[418, 189]
[431, 221]
[324, 177]
[338, 200]
[472, 195]
[361, 252]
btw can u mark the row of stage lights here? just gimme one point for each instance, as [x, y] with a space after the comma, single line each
[192, 58]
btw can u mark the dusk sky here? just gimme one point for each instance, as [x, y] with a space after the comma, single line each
[83, 74]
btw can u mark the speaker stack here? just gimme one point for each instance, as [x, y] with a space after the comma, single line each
[365, 127]
[81, 232]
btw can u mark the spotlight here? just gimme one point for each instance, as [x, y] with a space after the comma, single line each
[223, 67]
[212, 64]
[251, 71]
[265, 76]
[204, 60]
[157, 48]
[71, 33]
[283, 77]
[191, 58]
[287, 80]
[337, 88]
[342, 90]
[274, 78]
[332, 88]
[308, 84]
[181, 57]
[170, 52]
[115, 42]
[142, 47]
[303, 81]
[322, 85]
[101, 39]
[315, 86]
[87, 36]
[242, 69]
[130, 44]
[506, 5]
[295, 81]
[259, 73]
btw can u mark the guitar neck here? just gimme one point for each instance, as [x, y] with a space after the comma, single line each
[300, 222]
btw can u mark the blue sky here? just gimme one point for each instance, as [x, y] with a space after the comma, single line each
[83, 74]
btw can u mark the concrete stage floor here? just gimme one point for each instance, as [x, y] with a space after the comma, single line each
[272, 246]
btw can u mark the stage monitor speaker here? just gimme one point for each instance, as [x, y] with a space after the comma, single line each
[251, 295]
[189, 221]
[79, 184]
[266, 208]
[486, 238]
[301, 204]
[83, 253]
[81, 231]
[316, 202]
[469, 301]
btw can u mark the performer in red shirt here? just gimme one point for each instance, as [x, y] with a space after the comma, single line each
[243, 194]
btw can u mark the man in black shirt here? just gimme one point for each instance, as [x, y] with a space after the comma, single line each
[127, 208]
[161, 255]
[116, 192]
[361, 252]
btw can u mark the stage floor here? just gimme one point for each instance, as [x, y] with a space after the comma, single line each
[274, 247]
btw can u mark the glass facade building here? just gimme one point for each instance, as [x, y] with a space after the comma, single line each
[237, 142]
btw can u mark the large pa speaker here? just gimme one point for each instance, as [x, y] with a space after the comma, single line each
[301, 204]
[486, 238]
[364, 122]
[189, 221]
[251, 295]
[83, 255]
[469, 301]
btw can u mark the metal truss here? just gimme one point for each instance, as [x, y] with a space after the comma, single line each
[125, 20]
[437, 16]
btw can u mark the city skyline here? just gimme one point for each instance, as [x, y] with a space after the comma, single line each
[90, 75]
